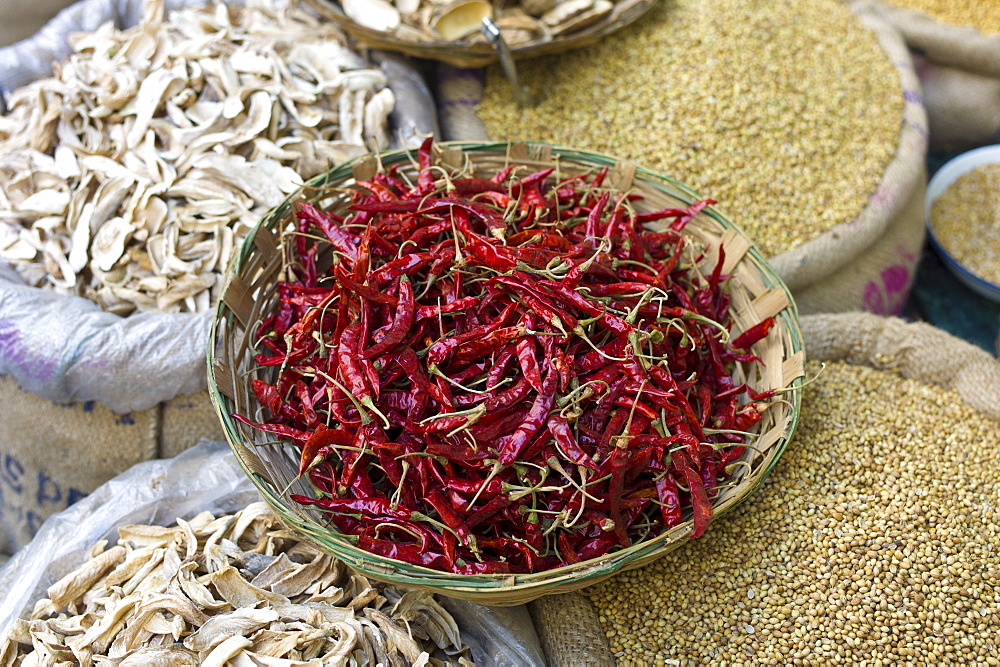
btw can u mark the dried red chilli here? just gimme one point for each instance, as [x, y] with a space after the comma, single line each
[503, 374]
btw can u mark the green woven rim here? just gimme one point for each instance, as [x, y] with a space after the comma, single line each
[522, 586]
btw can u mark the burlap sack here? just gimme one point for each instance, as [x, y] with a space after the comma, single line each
[960, 76]
[879, 279]
[956, 46]
[917, 351]
[842, 262]
[53, 454]
[963, 108]
[570, 632]
[841, 269]
[914, 350]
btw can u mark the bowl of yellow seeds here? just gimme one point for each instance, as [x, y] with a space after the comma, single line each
[963, 218]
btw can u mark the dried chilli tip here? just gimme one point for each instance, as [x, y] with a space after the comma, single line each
[511, 372]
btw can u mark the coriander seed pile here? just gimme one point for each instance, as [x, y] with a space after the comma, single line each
[876, 538]
[965, 220]
[979, 14]
[787, 111]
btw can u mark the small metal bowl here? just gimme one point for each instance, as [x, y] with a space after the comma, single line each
[941, 181]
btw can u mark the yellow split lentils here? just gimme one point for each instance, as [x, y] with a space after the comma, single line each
[965, 220]
[981, 14]
[876, 539]
[787, 112]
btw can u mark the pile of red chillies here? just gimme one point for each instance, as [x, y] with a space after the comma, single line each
[504, 374]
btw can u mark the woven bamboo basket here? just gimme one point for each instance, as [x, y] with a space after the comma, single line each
[480, 54]
[249, 295]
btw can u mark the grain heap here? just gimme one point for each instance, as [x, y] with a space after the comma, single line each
[131, 175]
[790, 115]
[965, 220]
[957, 51]
[229, 589]
[984, 16]
[875, 539]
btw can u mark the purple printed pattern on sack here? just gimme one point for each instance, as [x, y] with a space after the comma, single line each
[12, 350]
[887, 296]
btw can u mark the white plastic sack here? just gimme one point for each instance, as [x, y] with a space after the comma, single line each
[67, 349]
[204, 478]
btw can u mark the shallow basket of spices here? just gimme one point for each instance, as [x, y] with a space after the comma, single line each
[443, 449]
[449, 32]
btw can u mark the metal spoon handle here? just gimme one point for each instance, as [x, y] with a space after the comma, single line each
[522, 95]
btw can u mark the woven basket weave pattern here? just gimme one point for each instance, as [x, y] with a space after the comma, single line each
[250, 294]
[463, 54]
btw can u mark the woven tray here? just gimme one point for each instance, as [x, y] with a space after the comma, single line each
[462, 54]
[249, 295]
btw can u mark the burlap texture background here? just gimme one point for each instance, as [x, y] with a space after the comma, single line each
[52, 454]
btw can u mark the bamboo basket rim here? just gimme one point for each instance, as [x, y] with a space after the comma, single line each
[497, 589]
[461, 54]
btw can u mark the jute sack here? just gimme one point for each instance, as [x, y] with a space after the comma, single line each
[916, 350]
[879, 279]
[841, 269]
[950, 45]
[53, 454]
[568, 625]
[960, 75]
[963, 108]
[570, 632]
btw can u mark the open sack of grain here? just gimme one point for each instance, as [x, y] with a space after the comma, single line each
[803, 120]
[174, 562]
[875, 539]
[128, 178]
[957, 47]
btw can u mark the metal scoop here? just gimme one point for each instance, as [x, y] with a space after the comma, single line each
[522, 95]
